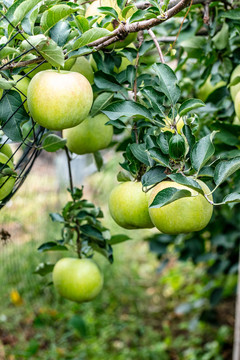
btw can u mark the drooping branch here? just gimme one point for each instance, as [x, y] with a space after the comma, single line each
[153, 36]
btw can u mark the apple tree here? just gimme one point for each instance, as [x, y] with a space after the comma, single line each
[161, 77]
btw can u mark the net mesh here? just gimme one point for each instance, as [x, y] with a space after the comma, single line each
[24, 137]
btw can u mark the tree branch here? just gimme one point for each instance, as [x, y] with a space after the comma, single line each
[153, 36]
[25, 63]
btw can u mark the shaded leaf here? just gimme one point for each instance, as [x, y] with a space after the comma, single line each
[169, 195]
[168, 82]
[202, 151]
[225, 169]
[126, 108]
[190, 105]
[153, 176]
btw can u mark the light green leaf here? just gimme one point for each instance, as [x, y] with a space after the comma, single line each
[6, 84]
[169, 195]
[53, 54]
[53, 142]
[82, 23]
[38, 41]
[122, 177]
[90, 36]
[22, 10]
[56, 13]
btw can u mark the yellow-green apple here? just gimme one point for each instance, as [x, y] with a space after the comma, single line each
[207, 88]
[184, 215]
[6, 150]
[128, 206]
[89, 136]
[6, 182]
[237, 104]
[78, 280]
[92, 10]
[235, 88]
[80, 65]
[59, 99]
[21, 87]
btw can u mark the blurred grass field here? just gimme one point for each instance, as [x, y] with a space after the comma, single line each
[140, 314]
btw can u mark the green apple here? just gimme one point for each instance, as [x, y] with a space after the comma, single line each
[78, 280]
[92, 10]
[208, 88]
[237, 104]
[59, 99]
[82, 66]
[6, 182]
[236, 88]
[89, 136]
[6, 150]
[128, 206]
[183, 215]
[21, 87]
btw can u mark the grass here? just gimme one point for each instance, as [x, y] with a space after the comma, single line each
[140, 314]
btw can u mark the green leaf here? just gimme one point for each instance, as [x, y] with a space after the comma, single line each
[202, 151]
[90, 36]
[60, 32]
[53, 54]
[6, 84]
[82, 23]
[235, 81]
[232, 198]
[169, 195]
[139, 151]
[232, 14]
[126, 108]
[187, 181]
[51, 245]
[122, 177]
[22, 10]
[44, 269]
[29, 20]
[98, 160]
[225, 169]
[56, 217]
[158, 156]
[38, 41]
[106, 82]
[53, 15]
[12, 114]
[220, 40]
[108, 11]
[190, 105]
[92, 232]
[168, 82]
[117, 239]
[153, 176]
[6, 51]
[52, 143]
[101, 102]
[206, 171]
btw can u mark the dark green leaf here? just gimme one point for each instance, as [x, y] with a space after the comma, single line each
[190, 105]
[202, 151]
[56, 217]
[167, 82]
[225, 169]
[232, 14]
[126, 108]
[92, 232]
[98, 160]
[53, 246]
[232, 198]
[158, 156]
[117, 239]
[44, 269]
[60, 32]
[186, 180]
[139, 151]
[101, 102]
[52, 143]
[153, 176]
[168, 195]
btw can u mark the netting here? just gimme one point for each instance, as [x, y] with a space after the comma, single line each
[17, 129]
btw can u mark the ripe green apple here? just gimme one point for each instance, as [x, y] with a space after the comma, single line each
[183, 215]
[21, 87]
[89, 136]
[82, 66]
[6, 150]
[236, 88]
[92, 10]
[6, 182]
[59, 99]
[208, 88]
[128, 206]
[237, 104]
[78, 280]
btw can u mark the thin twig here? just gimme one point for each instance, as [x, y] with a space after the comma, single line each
[153, 36]
[69, 169]
[206, 17]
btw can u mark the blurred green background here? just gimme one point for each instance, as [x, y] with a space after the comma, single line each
[142, 312]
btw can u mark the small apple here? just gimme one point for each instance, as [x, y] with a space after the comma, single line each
[207, 88]
[6, 182]
[59, 99]
[235, 88]
[78, 280]
[21, 87]
[6, 150]
[92, 10]
[89, 136]
[128, 206]
[183, 215]
[82, 66]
